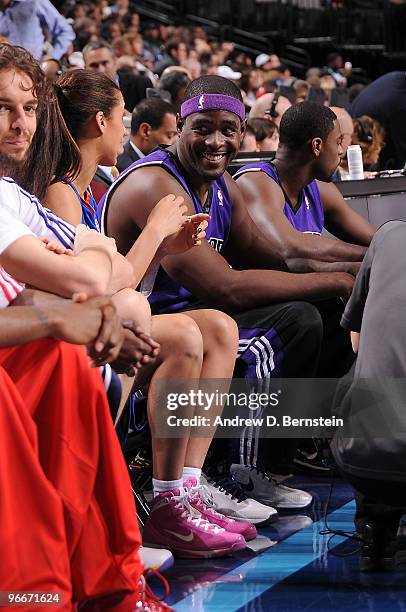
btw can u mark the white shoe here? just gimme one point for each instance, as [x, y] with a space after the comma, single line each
[229, 499]
[262, 487]
[158, 559]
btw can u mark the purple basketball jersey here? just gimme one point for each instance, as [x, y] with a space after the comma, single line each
[309, 215]
[168, 295]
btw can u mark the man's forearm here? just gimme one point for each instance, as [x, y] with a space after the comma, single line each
[25, 324]
[35, 297]
[322, 248]
[312, 265]
[235, 291]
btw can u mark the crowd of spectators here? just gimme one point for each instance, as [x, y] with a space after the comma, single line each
[150, 59]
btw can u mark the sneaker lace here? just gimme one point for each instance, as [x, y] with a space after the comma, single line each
[227, 484]
[193, 516]
[203, 498]
[264, 474]
[148, 601]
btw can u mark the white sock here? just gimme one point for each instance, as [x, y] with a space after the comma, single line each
[161, 486]
[191, 471]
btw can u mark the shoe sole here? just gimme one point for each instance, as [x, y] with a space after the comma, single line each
[312, 469]
[283, 506]
[201, 554]
[258, 522]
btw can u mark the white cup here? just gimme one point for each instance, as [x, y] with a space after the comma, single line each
[355, 165]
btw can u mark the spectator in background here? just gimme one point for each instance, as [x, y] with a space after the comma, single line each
[385, 101]
[267, 62]
[266, 134]
[251, 82]
[370, 136]
[335, 67]
[327, 83]
[153, 123]
[346, 127]
[228, 73]
[152, 40]
[270, 106]
[176, 53]
[100, 56]
[86, 31]
[175, 81]
[313, 76]
[301, 89]
[52, 69]
[249, 143]
[24, 23]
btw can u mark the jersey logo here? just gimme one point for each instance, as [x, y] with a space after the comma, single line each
[200, 105]
[220, 197]
[216, 243]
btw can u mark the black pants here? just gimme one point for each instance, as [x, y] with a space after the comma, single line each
[383, 503]
[289, 340]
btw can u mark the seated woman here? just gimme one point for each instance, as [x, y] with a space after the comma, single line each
[86, 114]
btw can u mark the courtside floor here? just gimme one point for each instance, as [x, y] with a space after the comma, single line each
[288, 568]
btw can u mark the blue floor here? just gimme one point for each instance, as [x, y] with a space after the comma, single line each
[288, 568]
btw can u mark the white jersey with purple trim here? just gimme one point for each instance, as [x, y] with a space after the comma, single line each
[27, 209]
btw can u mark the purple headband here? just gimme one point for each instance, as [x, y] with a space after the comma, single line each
[206, 102]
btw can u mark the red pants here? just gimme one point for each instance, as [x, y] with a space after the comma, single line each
[67, 517]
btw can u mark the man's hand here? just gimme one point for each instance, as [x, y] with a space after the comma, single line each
[138, 349]
[346, 283]
[352, 267]
[94, 323]
[50, 245]
[86, 238]
[190, 234]
[106, 347]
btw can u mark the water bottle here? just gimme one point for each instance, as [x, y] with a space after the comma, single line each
[355, 165]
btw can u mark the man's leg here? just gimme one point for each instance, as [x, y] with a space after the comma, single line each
[32, 534]
[80, 455]
[282, 340]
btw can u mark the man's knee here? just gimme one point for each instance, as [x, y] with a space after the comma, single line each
[306, 319]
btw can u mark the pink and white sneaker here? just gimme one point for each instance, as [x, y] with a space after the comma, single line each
[176, 525]
[199, 498]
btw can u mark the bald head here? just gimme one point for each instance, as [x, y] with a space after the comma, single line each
[264, 103]
[346, 126]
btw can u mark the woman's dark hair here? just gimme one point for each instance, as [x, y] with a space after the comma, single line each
[71, 103]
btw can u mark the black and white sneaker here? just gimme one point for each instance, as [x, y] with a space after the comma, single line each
[228, 498]
[260, 485]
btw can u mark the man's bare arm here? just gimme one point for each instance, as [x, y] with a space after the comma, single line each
[265, 202]
[341, 220]
[90, 271]
[205, 272]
